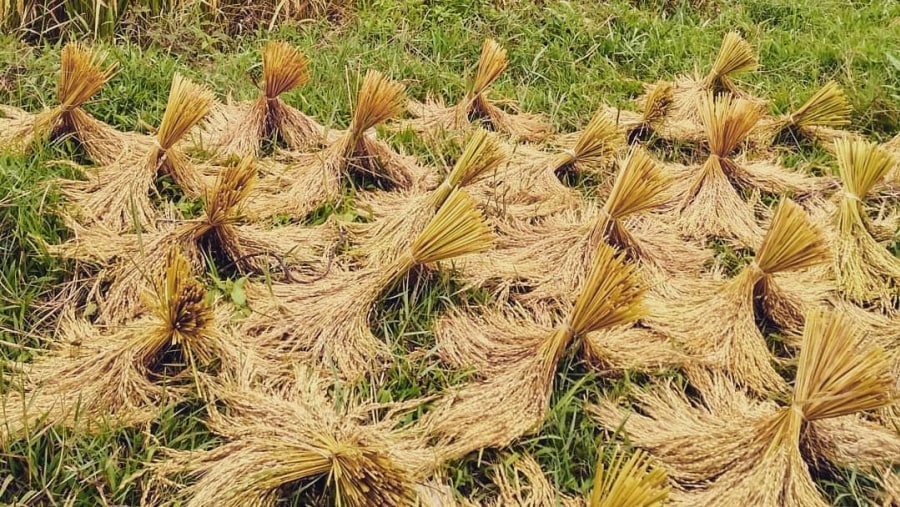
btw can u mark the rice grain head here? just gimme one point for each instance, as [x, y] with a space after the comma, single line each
[628, 482]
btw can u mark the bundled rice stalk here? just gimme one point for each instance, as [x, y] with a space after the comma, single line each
[238, 129]
[730, 450]
[553, 257]
[328, 322]
[310, 180]
[867, 273]
[124, 374]
[712, 204]
[399, 217]
[218, 234]
[735, 56]
[516, 356]
[280, 442]
[81, 76]
[818, 118]
[118, 196]
[653, 118]
[631, 482]
[435, 116]
[717, 323]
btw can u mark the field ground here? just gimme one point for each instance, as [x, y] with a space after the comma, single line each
[566, 59]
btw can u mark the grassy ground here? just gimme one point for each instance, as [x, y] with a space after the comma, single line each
[566, 58]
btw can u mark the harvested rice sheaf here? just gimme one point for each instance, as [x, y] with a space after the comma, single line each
[516, 356]
[307, 181]
[327, 322]
[730, 450]
[124, 374]
[117, 195]
[818, 118]
[867, 272]
[433, 116]
[220, 234]
[653, 119]
[717, 322]
[278, 442]
[238, 129]
[81, 76]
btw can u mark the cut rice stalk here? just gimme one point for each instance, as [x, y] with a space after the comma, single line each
[125, 374]
[718, 323]
[315, 179]
[867, 272]
[521, 362]
[756, 453]
[238, 129]
[818, 118]
[400, 217]
[435, 116]
[277, 443]
[81, 76]
[329, 321]
[631, 482]
[118, 197]
[218, 234]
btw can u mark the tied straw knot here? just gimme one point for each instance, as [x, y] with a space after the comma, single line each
[570, 154]
[846, 194]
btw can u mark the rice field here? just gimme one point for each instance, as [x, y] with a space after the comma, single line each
[635, 253]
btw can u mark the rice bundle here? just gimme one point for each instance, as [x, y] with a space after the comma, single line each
[118, 196]
[280, 442]
[312, 180]
[329, 321]
[712, 205]
[238, 129]
[631, 482]
[123, 374]
[735, 56]
[736, 451]
[435, 116]
[866, 271]
[217, 234]
[818, 118]
[81, 76]
[718, 322]
[553, 257]
[654, 118]
[516, 356]
[401, 216]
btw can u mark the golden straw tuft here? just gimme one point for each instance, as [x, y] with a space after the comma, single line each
[284, 68]
[735, 56]
[628, 482]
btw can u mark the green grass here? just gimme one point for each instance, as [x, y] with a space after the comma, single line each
[566, 59]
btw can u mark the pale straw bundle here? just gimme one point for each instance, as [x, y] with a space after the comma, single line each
[652, 120]
[867, 272]
[81, 76]
[278, 442]
[433, 116]
[628, 482]
[328, 322]
[308, 181]
[818, 118]
[124, 374]
[238, 129]
[552, 257]
[219, 234]
[118, 196]
[763, 453]
[516, 356]
[718, 323]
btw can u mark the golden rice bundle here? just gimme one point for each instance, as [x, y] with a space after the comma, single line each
[718, 322]
[307, 181]
[328, 322]
[433, 115]
[712, 204]
[867, 273]
[516, 356]
[277, 443]
[123, 374]
[729, 450]
[735, 56]
[118, 196]
[81, 76]
[818, 118]
[631, 482]
[238, 129]
[401, 216]
[218, 234]
[553, 257]
[653, 118]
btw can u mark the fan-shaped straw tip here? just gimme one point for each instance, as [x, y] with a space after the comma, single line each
[284, 68]
[861, 165]
[727, 121]
[188, 103]
[179, 300]
[792, 242]
[827, 107]
[378, 100]
[233, 185]
[735, 55]
[483, 153]
[81, 74]
[458, 228]
[491, 64]
[612, 293]
[629, 482]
